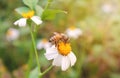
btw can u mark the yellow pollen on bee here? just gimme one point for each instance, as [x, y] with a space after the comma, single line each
[28, 14]
[72, 27]
[64, 48]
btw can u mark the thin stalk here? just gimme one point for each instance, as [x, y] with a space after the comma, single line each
[48, 69]
[48, 4]
[35, 50]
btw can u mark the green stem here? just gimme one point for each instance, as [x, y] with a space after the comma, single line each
[35, 50]
[48, 4]
[48, 69]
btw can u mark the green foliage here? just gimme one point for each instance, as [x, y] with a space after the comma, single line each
[114, 75]
[98, 49]
[30, 3]
[39, 10]
[21, 10]
[34, 73]
[50, 14]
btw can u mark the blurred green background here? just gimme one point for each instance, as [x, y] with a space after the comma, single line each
[97, 50]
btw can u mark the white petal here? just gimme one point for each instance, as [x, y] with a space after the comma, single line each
[51, 53]
[40, 45]
[37, 20]
[57, 61]
[107, 8]
[21, 22]
[72, 58]
[14, 34]
[78, 31]
[74, 33]
[47, 45]
[71, 33]
[16, 22]
[65, 63]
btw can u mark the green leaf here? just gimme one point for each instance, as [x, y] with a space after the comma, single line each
[50, 14]
[114, 75]
[21, 10]
[30, 3]
[97, 49]
[39, 10]
[34, 73]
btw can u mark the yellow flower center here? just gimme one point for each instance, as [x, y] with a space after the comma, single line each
[64, 48]
[72, 27]
[44, 40]
[28, 14]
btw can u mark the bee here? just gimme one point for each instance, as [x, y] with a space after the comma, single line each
[58, 37]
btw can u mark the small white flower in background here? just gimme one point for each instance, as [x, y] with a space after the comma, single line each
[12, 34]
[29, 15]
[108, 8]
[73, 32]
[61, 53]
[43, 44]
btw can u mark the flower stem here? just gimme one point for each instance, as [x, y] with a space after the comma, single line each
[35, 50]
[48, 69]
[48, 4]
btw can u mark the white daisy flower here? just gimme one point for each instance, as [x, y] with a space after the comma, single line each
[108, 8]
[29, 15]
[61, 55]
[73, 32]
[43, 44]
[12, 34]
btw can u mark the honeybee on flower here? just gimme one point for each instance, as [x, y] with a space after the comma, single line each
[58, 37]
[60, 51]
[73, 32]
[12, 34]
[28, 15]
